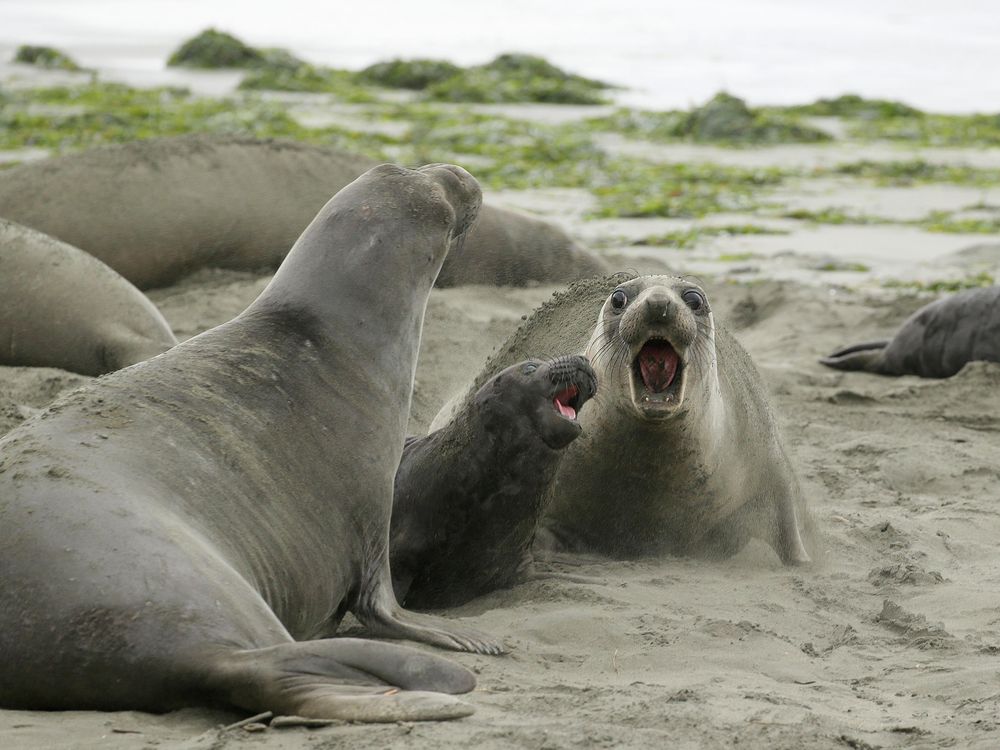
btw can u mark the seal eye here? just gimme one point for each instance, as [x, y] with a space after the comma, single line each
[618, 299]
[693, 299]
[529, 368]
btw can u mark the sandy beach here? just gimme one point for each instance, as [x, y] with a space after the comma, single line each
[890, 639]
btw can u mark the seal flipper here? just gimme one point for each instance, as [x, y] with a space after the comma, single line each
[381, 614]
[867, 356]
[347, 679]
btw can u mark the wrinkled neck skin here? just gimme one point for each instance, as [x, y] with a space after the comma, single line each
[370, 303]
[651, 490]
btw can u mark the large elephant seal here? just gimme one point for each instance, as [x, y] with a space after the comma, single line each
[936, 341]
[159, 209]
[170, 531]
[60, 307]
[468, 497]
[679, 452]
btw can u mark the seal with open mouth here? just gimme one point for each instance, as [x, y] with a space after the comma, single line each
[679, 453]
[468, 496]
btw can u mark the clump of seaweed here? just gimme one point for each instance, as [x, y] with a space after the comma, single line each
[216, 49]
[44, 57]
[415, 74]
[855, 106]
[518, 78]
[723, 119]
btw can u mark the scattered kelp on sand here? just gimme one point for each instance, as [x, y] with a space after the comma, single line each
[724, 119]
[309, 78]
[853, 106]
[684, 239]
[66, 118]
[918, 172]
[45, 57]
[981, 279]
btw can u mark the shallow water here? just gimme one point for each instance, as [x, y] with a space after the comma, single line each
[671, 54]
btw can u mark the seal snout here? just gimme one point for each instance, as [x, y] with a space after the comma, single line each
[575, 384]
[460, 190]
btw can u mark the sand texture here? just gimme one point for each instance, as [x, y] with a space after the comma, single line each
[889, 640]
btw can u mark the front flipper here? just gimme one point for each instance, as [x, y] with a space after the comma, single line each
[868, 356]
[381, 614]
[343, 678]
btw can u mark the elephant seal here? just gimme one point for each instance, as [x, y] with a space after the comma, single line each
[467, 497]
[190, 202]
[192, 529]
[679, 452]
[936, 341]
[60, 307]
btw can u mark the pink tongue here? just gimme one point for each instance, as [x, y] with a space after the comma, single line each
[658, 365]
[564, 408]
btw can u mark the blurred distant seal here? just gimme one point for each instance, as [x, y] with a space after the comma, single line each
[936, 341]
[60, 307]
[679, 452]
[159, 209]
[191, 530]
[468, 497]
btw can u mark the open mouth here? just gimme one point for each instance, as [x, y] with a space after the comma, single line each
[568, 402]
[657, 377]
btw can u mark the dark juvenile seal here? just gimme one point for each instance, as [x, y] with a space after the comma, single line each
[182, 531]
[936, 341]
[680, 453]
[468, 497]
[159, 209]
[60, 307]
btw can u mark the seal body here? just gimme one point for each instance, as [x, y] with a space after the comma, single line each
[168, 532]
[679, 452]
[468, 497]
[936, 341]
[60, 307]
[192, 202]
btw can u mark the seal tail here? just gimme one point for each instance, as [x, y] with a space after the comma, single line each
[865, 356]
[348, 679]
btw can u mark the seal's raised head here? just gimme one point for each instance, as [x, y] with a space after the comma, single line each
[546, 394]
[654, 338]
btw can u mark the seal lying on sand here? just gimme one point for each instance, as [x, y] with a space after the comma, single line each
[468, 497]
[679, 452]
[936, 341]
[168, 532]
[60, 307]
[180, 204]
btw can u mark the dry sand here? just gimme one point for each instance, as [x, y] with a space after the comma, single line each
[892, 639]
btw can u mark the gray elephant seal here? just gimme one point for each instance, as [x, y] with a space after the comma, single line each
[679, 452]
[468, 497]
[60, 307]
[170, 531]
[936, 341]
[193, 202]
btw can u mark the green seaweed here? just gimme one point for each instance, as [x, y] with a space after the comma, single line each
[855, 106]
[45, 57]
[918, 171]
[216, 49]
[980, 279]
[844, 266]
[724, 119]
[306, 78]
[932, 129]
[944, 222]
[415, 74]
[518, 78]
[688, 238]
[833, 216]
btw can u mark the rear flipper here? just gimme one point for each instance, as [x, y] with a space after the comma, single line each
[345, 678]
[866, 356]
